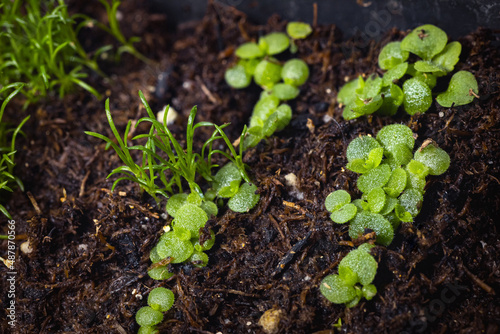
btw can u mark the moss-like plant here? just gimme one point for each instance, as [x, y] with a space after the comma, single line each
[8, 134]
[392, 183]
[384, 94]
[279, 80]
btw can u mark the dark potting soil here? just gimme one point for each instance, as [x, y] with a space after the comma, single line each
[87, 272]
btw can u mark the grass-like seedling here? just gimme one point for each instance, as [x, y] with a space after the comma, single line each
[40, 47]
[384, 94]
[280, 80]
[392, 183]
[8, 135]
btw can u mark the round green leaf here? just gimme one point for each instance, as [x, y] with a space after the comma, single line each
[161, 299]
[245, 199]
[191, 217]
[390, 136]
[275, 42]
[435, 158]
[417, 96]
[285, 92]
[411, 201]
[347, 94]
[344, 214]
[263, 109]
[171, 246]
[278, 120]
[427, 78]
[146, 316]
[375, 222]
[267, 73]
[391, 55]
[369, 291]
[337, 199]
[449, 56]
[153, 255]
[334, 289]
[147, 330]
[199, 259]
[160, 273]
[298, 30]
[375, 178]
[175, 202]
[360, 147]
[418, 168]
[210, 208]
[390, 204]
[249, 50]
[361, 263]
[425, 41]
[393, 98]
[227, 180]
[460, 91]
[397, 182]
[376, 199]
[295, 72]
[237, 77]
[394, 74]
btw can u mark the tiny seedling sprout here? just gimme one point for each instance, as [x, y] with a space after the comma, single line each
[385, 95]
[392, 183]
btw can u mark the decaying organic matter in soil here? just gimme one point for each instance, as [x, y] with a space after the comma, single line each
[87, 271]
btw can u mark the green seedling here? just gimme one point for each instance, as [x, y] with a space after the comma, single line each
[298, 30]
[160, 300]
[40, 47]
[353, 282]
[462, 90]
[8, 135]
[360, 97]
[280, 81]
[127, 45]
[392, 183]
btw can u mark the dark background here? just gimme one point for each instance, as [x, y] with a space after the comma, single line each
[456, 17]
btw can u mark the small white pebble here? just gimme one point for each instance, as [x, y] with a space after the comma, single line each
[327, 118]
[307, 278]
[328, 90]
[441, 114]
[166, 228]
[171, 116]
[26, 248]
[291, 180]
[249, 323]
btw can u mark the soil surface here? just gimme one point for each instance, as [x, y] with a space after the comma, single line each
[88, 269]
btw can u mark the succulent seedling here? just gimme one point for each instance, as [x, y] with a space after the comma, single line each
[385, 96]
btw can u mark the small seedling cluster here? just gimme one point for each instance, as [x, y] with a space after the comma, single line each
[383, 94]
[160, 300]
[8, 180]
[392, 183]
[358, 266]
[166, 166]
[40, 46]
[280, 81]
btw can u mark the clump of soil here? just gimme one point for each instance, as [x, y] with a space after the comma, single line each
[88, 269]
